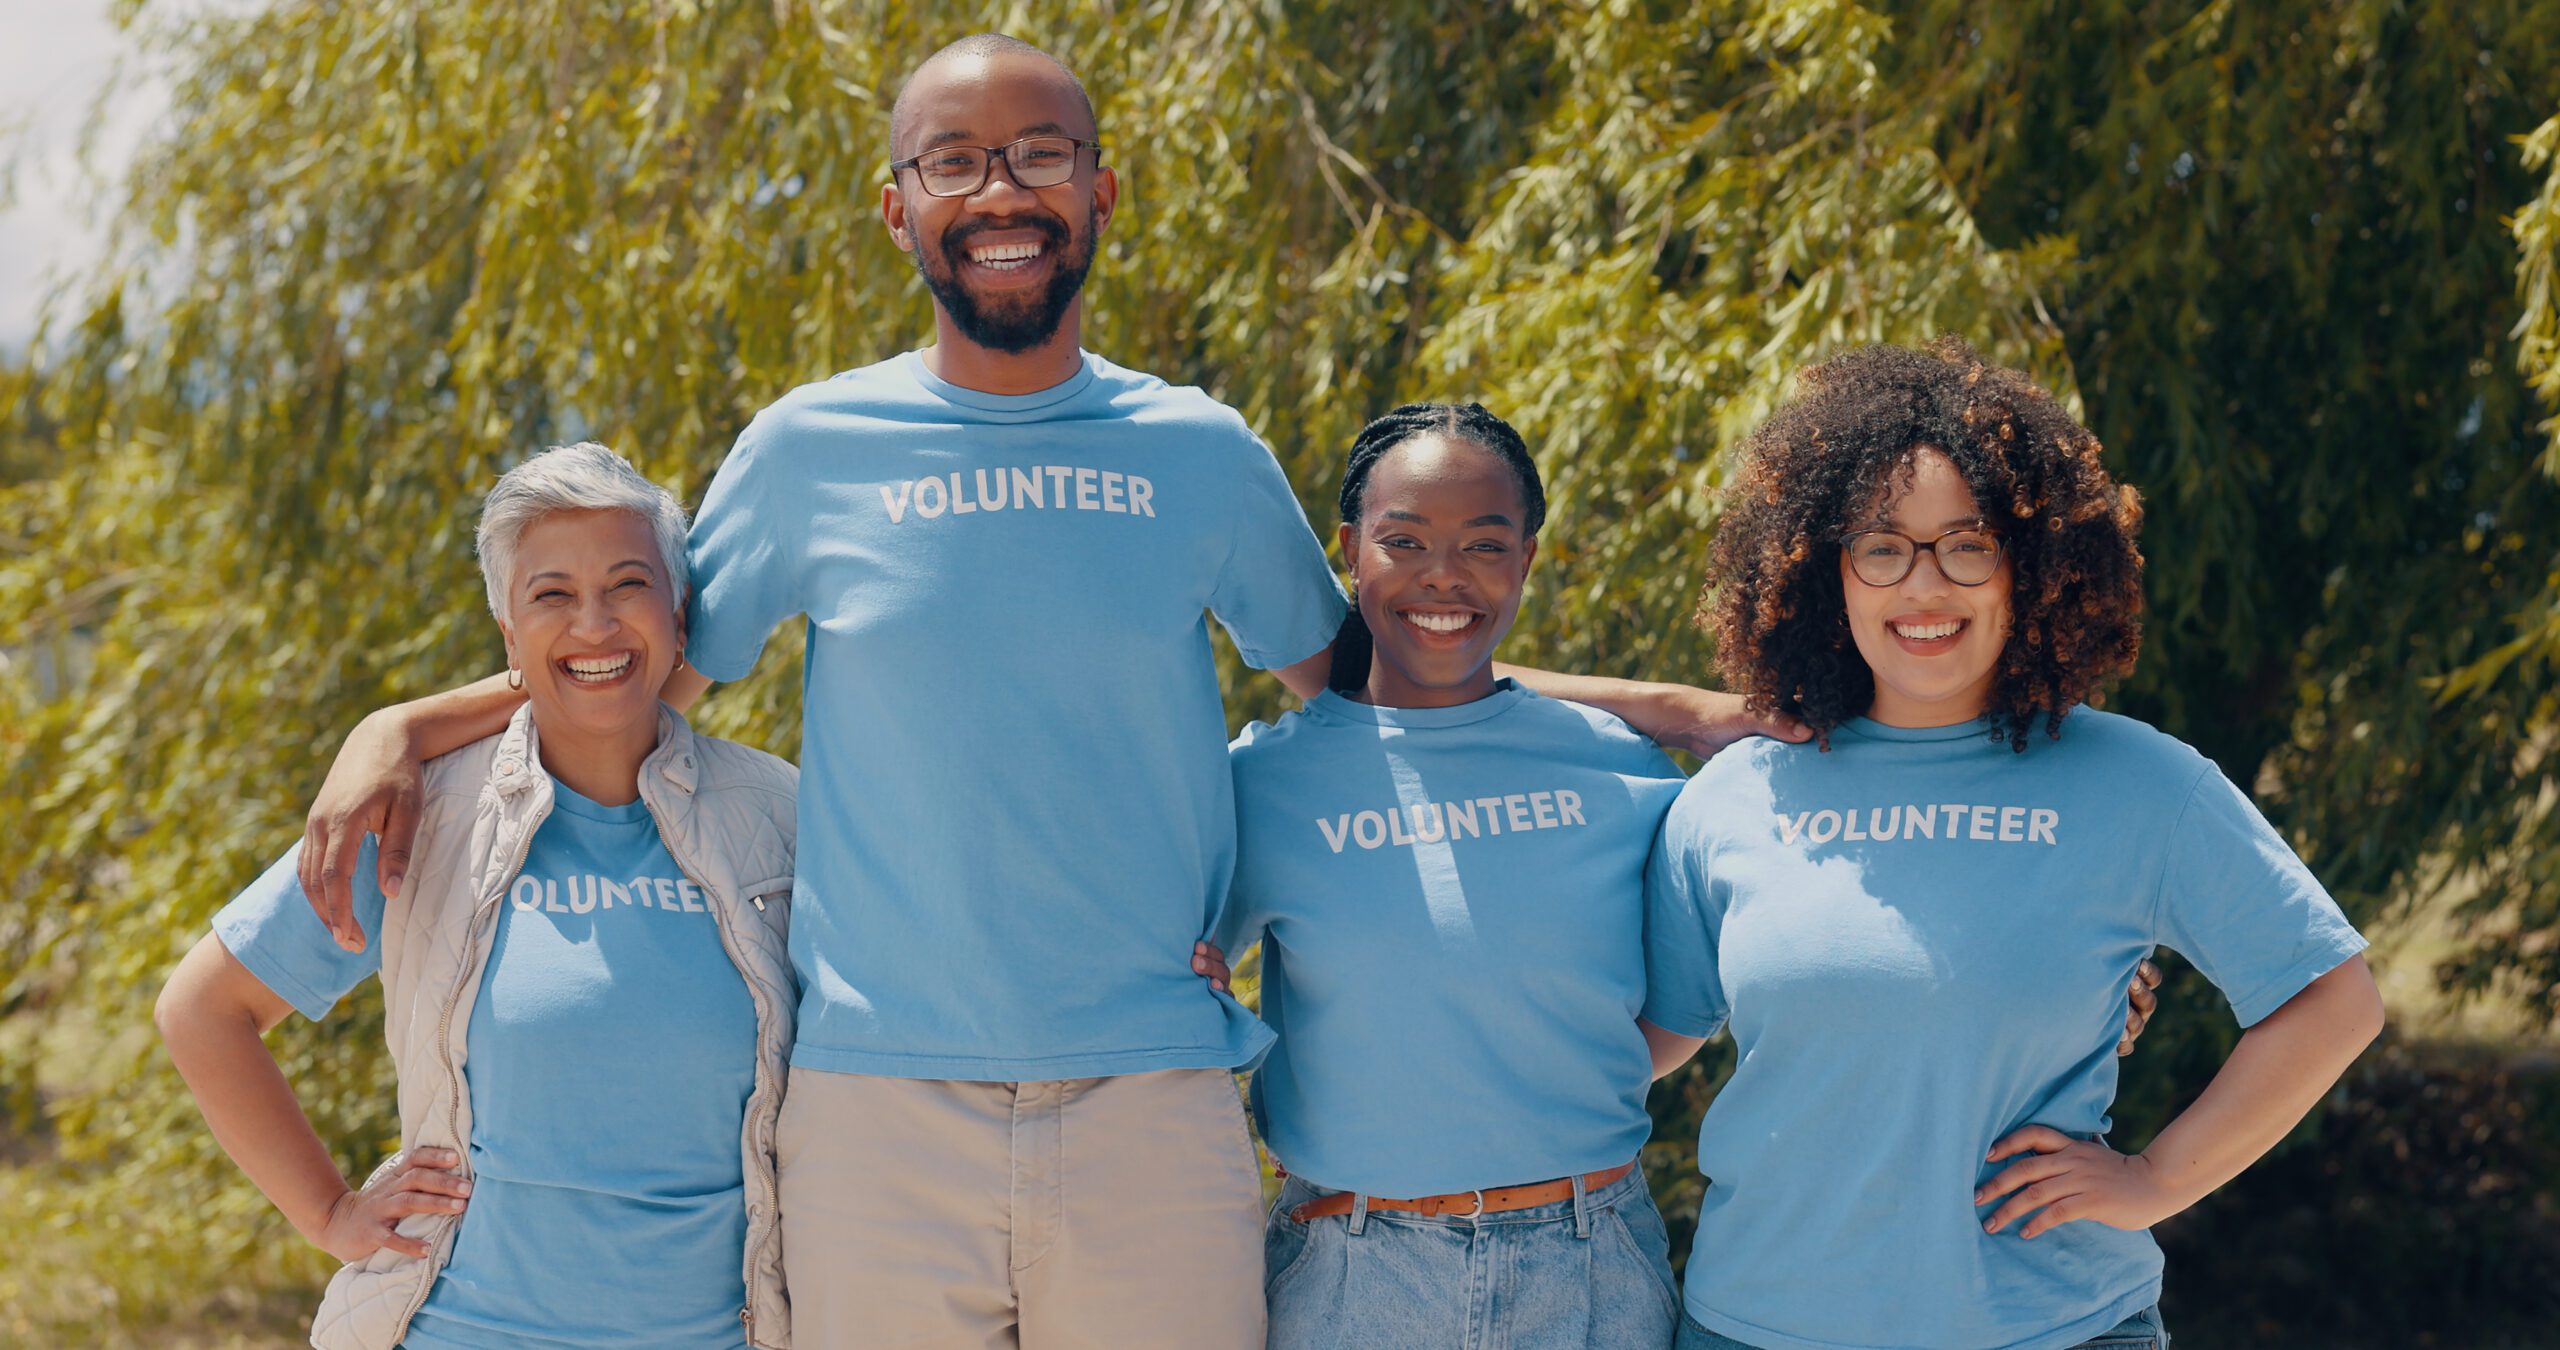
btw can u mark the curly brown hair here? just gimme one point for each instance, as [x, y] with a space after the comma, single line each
[1820, 465]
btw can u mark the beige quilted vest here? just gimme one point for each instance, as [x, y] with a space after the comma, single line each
[726, 814]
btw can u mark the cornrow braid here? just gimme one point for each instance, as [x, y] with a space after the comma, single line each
[1469, 422]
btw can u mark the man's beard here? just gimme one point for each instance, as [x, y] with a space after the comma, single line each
[1019, 330]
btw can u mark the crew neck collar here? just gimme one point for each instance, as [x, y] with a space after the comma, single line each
[569, 799]
[1506, 695]
[1039, 400]
[1871, 729]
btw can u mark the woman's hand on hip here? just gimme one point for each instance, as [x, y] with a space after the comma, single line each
[2062, 1179]
[420, 1181]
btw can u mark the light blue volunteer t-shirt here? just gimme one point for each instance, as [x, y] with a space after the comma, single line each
[1921, 941]
[1015, 817]
[611, 1051]
[1451, 909]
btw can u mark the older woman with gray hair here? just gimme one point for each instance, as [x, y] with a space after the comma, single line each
[586, 992]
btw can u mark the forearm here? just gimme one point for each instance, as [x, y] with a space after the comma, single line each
[1634, 701]
[252, 1111]
[1670, 1049]
[2280, 1069]
[440, 724]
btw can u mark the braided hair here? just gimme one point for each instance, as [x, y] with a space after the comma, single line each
[1469, 422]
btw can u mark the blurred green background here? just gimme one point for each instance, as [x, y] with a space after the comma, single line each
[2293, 260]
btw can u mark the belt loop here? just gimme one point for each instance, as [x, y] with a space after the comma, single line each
[1581, 1209]
[1359, 1214]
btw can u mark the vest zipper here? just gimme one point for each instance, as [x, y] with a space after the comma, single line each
[444, 1042]
[764, 1080]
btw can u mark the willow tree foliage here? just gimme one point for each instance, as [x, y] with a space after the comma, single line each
[380, 250]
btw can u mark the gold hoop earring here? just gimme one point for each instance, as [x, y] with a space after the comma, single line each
[515, 678]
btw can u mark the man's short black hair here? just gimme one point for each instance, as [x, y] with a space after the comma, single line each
[978, 44]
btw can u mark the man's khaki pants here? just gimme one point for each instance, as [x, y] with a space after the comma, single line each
[1118, 1212]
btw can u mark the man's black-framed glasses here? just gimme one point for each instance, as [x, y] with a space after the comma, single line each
[1967, 555]
[1032, 162]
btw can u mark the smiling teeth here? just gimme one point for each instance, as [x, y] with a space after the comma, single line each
[597, 670]
[1925, 631]
[1439, 623]
[1004, 257]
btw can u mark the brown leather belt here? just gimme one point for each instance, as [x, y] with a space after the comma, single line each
[1464, 1204]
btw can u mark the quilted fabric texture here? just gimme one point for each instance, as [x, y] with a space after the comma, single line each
[728, 816]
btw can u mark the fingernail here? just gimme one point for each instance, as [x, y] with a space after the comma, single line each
[465, 1188]
[1990, 1228]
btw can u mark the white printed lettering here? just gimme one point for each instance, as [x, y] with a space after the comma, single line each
[1515, 811]
[1086, 498]
[1142, 497]
[992, 501]
[1569, 807]
[551, 898]
[1492, 814]
[896, 501]
[1112, 498]
[526, 894]
[1058, 476]
[1026, 489]
[613, 891]
[1462, 815]
[582, 899]
[1369, 828]
[960, 503]
[1335, 831]
[666, 893]
[941, 502]
[1914, 821]
[691, 895]
[1542, 809]
[1436, 828]
[1395, 829]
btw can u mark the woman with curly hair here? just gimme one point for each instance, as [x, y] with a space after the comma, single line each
[1918, 927]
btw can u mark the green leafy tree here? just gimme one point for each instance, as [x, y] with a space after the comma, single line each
[381, 250]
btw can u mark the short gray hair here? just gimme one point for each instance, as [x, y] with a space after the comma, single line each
[581, 477]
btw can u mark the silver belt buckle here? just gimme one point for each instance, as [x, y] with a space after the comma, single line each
[1478, 1211]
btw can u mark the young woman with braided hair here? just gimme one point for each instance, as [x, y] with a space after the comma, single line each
[1915, 928]
[1445, 870]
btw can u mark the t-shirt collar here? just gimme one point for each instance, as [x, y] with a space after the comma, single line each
[568, 799]
[1871, 729]
[1002, 406]
[1506, 695]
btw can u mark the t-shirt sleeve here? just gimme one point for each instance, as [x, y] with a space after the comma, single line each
[2236, 901]
[746, 556]
[1683, 989]
[272, 929]
[1238, 923]
[1275, 593]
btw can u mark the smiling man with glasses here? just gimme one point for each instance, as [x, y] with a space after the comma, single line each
[1011, 1118]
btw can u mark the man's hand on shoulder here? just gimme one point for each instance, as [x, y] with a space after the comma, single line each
[373, 788]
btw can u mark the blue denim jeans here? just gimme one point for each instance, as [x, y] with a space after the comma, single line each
[2142, 1331]
[1593, 1271]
